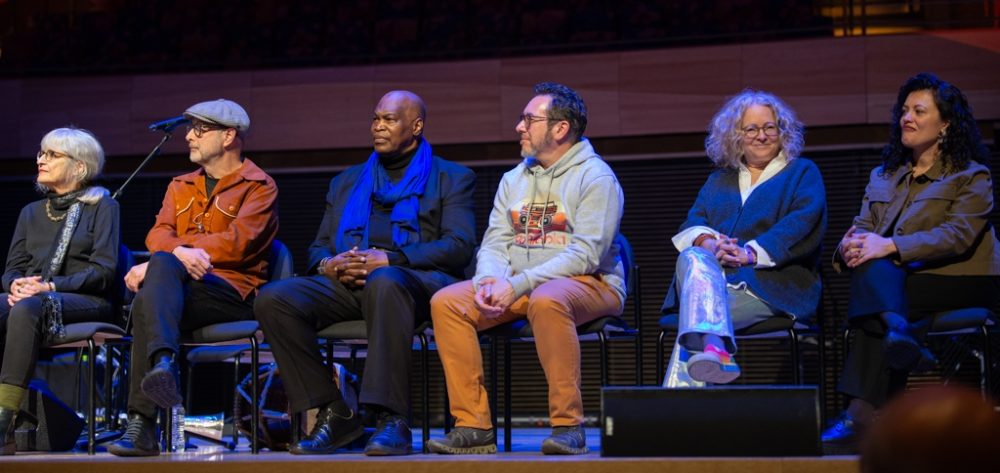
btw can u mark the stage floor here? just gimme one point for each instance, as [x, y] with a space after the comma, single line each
[524, 458]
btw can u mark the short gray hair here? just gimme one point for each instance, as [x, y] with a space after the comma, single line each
[81, 145]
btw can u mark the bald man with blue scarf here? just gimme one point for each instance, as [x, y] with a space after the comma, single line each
[396, 229]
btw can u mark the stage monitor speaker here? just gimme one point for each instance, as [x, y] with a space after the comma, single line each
[716, 421]
[45, 423]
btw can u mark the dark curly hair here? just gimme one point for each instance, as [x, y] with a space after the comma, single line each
[962, 142]
[566, 105]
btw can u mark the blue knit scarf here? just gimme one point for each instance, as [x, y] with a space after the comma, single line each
[403, 196]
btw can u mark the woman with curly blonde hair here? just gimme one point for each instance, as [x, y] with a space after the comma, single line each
[749, 249]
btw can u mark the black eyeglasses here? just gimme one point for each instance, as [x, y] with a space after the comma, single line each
[528, 119]
[770, 129]
[200, 128]
[49, 155]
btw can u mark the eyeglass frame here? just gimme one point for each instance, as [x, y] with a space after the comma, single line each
[528, 119]
[199, 128]
[48, 156]
[753, 131]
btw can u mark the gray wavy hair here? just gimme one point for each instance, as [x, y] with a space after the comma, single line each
[724, 143]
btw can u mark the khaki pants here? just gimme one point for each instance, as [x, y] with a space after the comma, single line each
[553, 309]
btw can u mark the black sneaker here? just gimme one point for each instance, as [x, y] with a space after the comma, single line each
[139, 439]
[160, 383]
[465, 440]
[332, 431]
[566, 441]
[842, 436]
[392, 437]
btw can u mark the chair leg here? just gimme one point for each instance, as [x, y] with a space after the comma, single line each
[603, 342]
[508, 424]
[493, 384]
[793, 340]
[108, 366]
[447, 406]
[659, 353]
[425, 393]
[91, 404]
[236, 399]
[987, 362]
[255, 395]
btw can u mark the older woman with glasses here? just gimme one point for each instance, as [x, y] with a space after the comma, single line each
[61, 263]
[750, 246]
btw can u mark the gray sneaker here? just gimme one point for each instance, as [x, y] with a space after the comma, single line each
[566, 441]
[465, 440]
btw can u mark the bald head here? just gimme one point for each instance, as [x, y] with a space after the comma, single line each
[397, 123]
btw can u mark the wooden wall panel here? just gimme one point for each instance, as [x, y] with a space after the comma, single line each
[461, 97]
[823, 81]
[676, 89]
[157, 97]
[966, 59]
[101, 106]
[830, 82]
[594, 76]
[310, 108]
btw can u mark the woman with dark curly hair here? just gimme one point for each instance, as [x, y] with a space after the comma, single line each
[922, 244]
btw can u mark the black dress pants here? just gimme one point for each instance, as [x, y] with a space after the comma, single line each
[21, 330]
[393, 301]
[168, 304]
[882, 286]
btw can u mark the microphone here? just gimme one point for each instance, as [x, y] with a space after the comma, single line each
[168, 125]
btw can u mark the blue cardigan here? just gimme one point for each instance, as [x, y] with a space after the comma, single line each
[786, 215]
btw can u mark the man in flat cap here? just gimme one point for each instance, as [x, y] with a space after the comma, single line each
[209, 251]
[396, 229]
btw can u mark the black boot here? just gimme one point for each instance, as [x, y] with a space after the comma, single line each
[139, 439]
[7, 418]
[160, 383]
[392, 436]
[332, 431]
[905, 353]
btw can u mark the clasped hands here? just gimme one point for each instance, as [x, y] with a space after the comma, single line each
[728, 251]
[493, 296]
[858, 247]
[25, 287]
[353, 266]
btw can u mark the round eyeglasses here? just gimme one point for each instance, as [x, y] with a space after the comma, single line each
[770, 129]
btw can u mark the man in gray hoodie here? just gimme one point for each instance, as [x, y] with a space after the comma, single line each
[547, 256]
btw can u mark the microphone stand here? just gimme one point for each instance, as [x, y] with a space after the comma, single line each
[167, 133]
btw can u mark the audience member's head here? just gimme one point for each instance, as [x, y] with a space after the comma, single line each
[933, 430]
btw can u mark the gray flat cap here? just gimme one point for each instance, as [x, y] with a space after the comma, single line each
[223, 112]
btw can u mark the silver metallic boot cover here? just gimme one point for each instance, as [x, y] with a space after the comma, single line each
[704, 309]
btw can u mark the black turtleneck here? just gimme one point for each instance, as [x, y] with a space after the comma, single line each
[380, 224]
[396, 166]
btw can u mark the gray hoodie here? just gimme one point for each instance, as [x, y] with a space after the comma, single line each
[555, 223]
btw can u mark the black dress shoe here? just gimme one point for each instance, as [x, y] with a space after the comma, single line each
[139, 439]
[844, 432]
[332, 431]
[392, 437]
[160, 383]
[904, 353]
[7, 419]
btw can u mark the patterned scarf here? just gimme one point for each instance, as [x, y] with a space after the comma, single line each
[374, 183]
[52, 320]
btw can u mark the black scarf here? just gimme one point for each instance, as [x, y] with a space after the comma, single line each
[53, 329]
